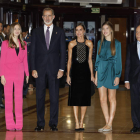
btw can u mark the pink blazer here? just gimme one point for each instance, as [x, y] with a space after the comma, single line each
[11, 65]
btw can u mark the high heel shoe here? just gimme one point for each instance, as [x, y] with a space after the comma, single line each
[76, 129]
[81, 128]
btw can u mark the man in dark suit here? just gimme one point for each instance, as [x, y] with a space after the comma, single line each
[27, 38]
[1, 27]
[1, 86]
[5, 32]
[132, 79]
[3, 35]
[48, 50]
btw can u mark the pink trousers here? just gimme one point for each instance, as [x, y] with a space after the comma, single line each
[18, 103]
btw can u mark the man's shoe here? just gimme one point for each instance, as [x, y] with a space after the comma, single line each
[53, 128]
[24, 96]
[2, 106]
[39, 128]
[134, 130]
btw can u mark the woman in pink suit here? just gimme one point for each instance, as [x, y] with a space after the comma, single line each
[13, 65]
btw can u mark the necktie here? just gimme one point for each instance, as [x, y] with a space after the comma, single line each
[48, 37]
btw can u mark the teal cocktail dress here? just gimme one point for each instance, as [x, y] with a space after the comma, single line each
[108, 67]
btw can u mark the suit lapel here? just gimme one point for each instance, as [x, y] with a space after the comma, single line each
[135, 49]
[3, 38]
[53, 35]
[42, 36]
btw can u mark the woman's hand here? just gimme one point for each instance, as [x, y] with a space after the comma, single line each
[92, 79]
[116, 81]
[3, 81]
[69, 80]
[27, 79]
[96, 81]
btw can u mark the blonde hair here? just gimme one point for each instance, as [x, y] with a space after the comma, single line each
[112, 45]
[12, 44]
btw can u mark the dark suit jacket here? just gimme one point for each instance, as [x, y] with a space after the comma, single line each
[28, 41]
[132, 65]
[52, 59]
[1, 39]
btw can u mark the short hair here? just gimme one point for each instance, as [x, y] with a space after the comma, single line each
[24, 29]
[5, 25]
[48, 9]
[1, 23]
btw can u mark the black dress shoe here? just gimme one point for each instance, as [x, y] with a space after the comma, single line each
[24, 96]
[82, 129]
[134, 130]
[77, 129]
[2, 106]
[39, 128]
[53, 128]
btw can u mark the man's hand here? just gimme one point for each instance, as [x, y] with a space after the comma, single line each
[34, 74]
[60, 74]
[3, 81]
[127, 85]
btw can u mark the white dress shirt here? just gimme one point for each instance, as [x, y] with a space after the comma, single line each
[3, 34]
[25, 37]
[2, 40]
[51, 30]
[138, 47]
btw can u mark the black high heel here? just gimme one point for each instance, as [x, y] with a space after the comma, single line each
[82, 129]
[77, 129]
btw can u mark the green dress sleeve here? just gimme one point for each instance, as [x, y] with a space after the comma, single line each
[118, 68]
[97, 57]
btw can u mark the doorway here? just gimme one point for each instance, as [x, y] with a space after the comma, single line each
[120, 33]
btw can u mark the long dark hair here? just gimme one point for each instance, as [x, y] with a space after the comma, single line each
[112, 46]
[79, 24]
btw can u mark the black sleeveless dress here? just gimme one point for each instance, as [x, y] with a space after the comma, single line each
[80, 89]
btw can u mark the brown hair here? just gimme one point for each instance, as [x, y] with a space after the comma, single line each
[80, 24]
[48, 9]
[112, 46]
[12, 44]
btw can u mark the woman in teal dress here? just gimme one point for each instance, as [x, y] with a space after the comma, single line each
[108, 69]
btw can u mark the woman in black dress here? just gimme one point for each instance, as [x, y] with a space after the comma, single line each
[80, 73]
